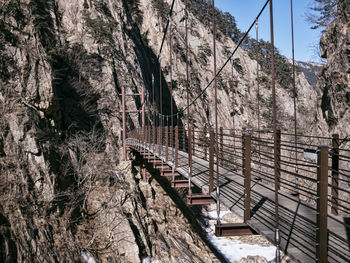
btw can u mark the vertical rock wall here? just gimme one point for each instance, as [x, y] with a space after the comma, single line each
[334, 80]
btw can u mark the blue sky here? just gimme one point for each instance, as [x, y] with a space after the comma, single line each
[306, 39]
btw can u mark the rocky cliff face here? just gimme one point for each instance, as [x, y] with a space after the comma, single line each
[334, 80]
[62, 66]
[238, 82]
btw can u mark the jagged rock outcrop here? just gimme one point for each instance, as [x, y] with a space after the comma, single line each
[334, 80]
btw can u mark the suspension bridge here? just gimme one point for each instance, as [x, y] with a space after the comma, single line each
[291, 188]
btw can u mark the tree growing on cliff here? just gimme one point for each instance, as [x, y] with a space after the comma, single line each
[322, 13]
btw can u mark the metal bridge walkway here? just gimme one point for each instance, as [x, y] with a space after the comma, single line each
[297, 219]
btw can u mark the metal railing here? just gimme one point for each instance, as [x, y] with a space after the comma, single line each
[316, 169]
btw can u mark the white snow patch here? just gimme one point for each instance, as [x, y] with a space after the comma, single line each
[148, 260]
[214, 214]
[87, 257]
[232, 250]
[236, 250]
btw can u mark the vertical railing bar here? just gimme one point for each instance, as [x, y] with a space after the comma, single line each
[221, 146]
[205, 143]
[189, 160]
[322, 205]
[193, 141]
[184, 139]
[166, 142]
[211, 161]
[176, 146]
[335, 174]
[246, 149]
[278, 157]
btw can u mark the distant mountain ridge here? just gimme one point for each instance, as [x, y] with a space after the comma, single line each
[311, 70]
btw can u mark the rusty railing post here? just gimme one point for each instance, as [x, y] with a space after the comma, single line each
[193, 141]
[176, 146]
[246, 174]
[211, 161]
[322, 205]
[184, 139]
[144, 138]
[172, 138]
[166, 143]
[221, 146]
[190, 158]
[153, 139]
[148, 139]
[278, 158]
[335, 173]
[159, 139]
[205, 142]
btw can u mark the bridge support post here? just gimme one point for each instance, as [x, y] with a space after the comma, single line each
[335, 173]
[176, 146]
[211, 161]
[148, 132]
[148, 136]
[159, 139]
[205, 143]
[322, 205]
[184, 140]
[153, 139]
[278, 158]
[143, 139]
[166, 143]
[221, 146]
[247, 174]
[193, 141]
[190, 159]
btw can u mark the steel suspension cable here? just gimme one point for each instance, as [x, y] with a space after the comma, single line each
[258, 87]
[160, 100]
[153, 103]
[216, 117]
[166, 29]
[160, 66]
[274, 116]
[171, 91]
[234, 111]
[294, 100]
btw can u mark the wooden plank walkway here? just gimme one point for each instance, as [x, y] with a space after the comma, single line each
[297, 219]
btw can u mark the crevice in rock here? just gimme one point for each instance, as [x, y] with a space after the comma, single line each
[137, 235]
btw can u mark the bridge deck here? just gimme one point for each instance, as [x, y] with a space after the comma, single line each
[297, 221]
